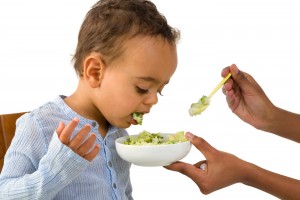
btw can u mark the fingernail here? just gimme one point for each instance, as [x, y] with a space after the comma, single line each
[189, 135]
[76, 119]
[203, 166]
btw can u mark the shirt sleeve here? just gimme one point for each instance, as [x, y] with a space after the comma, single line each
[35, 169]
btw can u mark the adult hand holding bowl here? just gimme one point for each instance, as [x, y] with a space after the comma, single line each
[153, 149]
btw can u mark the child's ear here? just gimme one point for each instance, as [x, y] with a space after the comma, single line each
[93, 69]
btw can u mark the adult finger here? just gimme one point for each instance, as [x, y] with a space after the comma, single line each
[176, 166]
[67, 132]
[182, 167]
[204, 147]
[225, 71]
[245, 83]
[200, 164]
[191, 171]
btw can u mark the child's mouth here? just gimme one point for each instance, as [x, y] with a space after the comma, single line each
[137, 118]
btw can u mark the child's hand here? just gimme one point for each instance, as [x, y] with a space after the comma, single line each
[84, 148]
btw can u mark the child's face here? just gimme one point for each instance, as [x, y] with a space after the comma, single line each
[132, 82]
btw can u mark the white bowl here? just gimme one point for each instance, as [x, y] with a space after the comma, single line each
[152, 155]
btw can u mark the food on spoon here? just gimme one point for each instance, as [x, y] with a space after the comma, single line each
[138, 117]
[203, 103]
[147, 138]
[200, 106]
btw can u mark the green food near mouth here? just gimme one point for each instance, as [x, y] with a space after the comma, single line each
[138, 117]
[147, 138]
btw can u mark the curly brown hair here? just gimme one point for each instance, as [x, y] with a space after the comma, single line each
[111, 22]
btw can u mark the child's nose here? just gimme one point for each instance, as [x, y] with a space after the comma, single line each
[151, 99]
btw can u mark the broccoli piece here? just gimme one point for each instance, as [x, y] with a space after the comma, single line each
[200, 106]
[138, 117]
[147, 138]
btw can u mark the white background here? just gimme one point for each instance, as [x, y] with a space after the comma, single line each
[262, 37]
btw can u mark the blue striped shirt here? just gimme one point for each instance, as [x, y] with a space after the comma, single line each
[38, 166]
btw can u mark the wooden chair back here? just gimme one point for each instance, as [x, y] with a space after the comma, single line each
[7, 132]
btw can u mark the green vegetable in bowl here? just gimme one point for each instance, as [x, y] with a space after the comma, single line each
[138, 117]
[147, 138]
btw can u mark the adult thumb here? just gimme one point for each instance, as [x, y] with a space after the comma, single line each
[244, 80]
[204, 147]
[238, 76]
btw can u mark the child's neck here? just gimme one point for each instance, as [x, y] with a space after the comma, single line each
[83, 108]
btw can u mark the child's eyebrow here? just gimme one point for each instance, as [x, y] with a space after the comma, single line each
[151, 79]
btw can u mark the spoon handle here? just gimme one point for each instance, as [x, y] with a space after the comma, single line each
[219, 85]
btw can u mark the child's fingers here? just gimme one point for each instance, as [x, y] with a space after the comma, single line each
[91, 155]
[86, 148]
[79, 138]
[67, 132]
[60, 128]
[87, 145]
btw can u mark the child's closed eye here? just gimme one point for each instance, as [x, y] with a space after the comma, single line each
[141, 90]
[146, 91]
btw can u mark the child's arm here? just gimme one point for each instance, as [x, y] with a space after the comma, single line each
[26, 176]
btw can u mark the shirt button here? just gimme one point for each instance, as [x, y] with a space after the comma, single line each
[114, 185]
[94, 124]
[109, 164]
